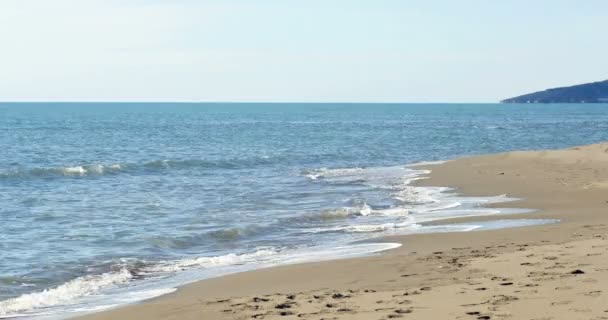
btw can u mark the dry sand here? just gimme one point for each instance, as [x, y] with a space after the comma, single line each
[557, 271]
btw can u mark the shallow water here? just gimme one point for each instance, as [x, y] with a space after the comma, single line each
[104, 204]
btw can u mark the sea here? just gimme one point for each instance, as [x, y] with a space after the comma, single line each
[105, 204]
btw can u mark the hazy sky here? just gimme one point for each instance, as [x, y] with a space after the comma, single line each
[308, 50]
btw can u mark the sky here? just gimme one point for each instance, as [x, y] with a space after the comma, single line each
[301, 51]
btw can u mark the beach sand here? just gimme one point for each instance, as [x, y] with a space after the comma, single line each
[555, 271]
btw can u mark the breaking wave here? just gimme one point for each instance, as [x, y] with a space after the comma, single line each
[70, 171]
[315, 174]
[120, 274]
[123, 274]
[207, 262]
[65, 293]
[86, 170]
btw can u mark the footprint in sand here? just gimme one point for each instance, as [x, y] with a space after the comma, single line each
[285, 305]
[596, 293]
[403, 311]
[339, 296]
[563, 288]
[258, 299]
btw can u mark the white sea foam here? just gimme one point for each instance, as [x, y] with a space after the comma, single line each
[324, 172]
[91, 285]
[79, 170]
[362, 210]
[418, 195]
[271, 256]
[415, 228]
[339, 252]
[95, 169]
[83, 294]
[68, 171]
[364, 228]
[64, 293]
[399, 228]
[101, 169]
[427, 163]
[210, 262]
[414, 204]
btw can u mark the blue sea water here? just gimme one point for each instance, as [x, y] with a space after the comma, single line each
[108, 203]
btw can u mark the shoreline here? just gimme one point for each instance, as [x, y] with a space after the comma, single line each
[561, 184]
[434, 201]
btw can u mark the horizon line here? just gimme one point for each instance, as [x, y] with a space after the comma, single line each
[243, 102]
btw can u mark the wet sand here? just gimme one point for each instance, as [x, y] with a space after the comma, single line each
[555, 271]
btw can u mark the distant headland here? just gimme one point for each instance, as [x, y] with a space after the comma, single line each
[595, 92]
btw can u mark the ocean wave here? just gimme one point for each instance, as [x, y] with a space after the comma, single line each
[180, 242]
[87, 170]
[361, 209]
[65, 293]
[125, 271]
[345, 212]
[231, 163]
[121, 273]
[383, 178]
[193, 240]
[315, 174]
[365, 210]
[68, 171]
[232, 234]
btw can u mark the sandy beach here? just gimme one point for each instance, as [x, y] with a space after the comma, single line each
[554, 271]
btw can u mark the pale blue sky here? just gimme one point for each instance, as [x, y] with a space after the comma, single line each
[309, 50]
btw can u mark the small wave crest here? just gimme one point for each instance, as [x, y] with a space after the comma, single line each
[315, 174]
[365, 228]
[231, 163]
[213, 261]
[86, 170]
[330, 214]
[359, 208]
[70, 171]
[236, 233]
[193, 240]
